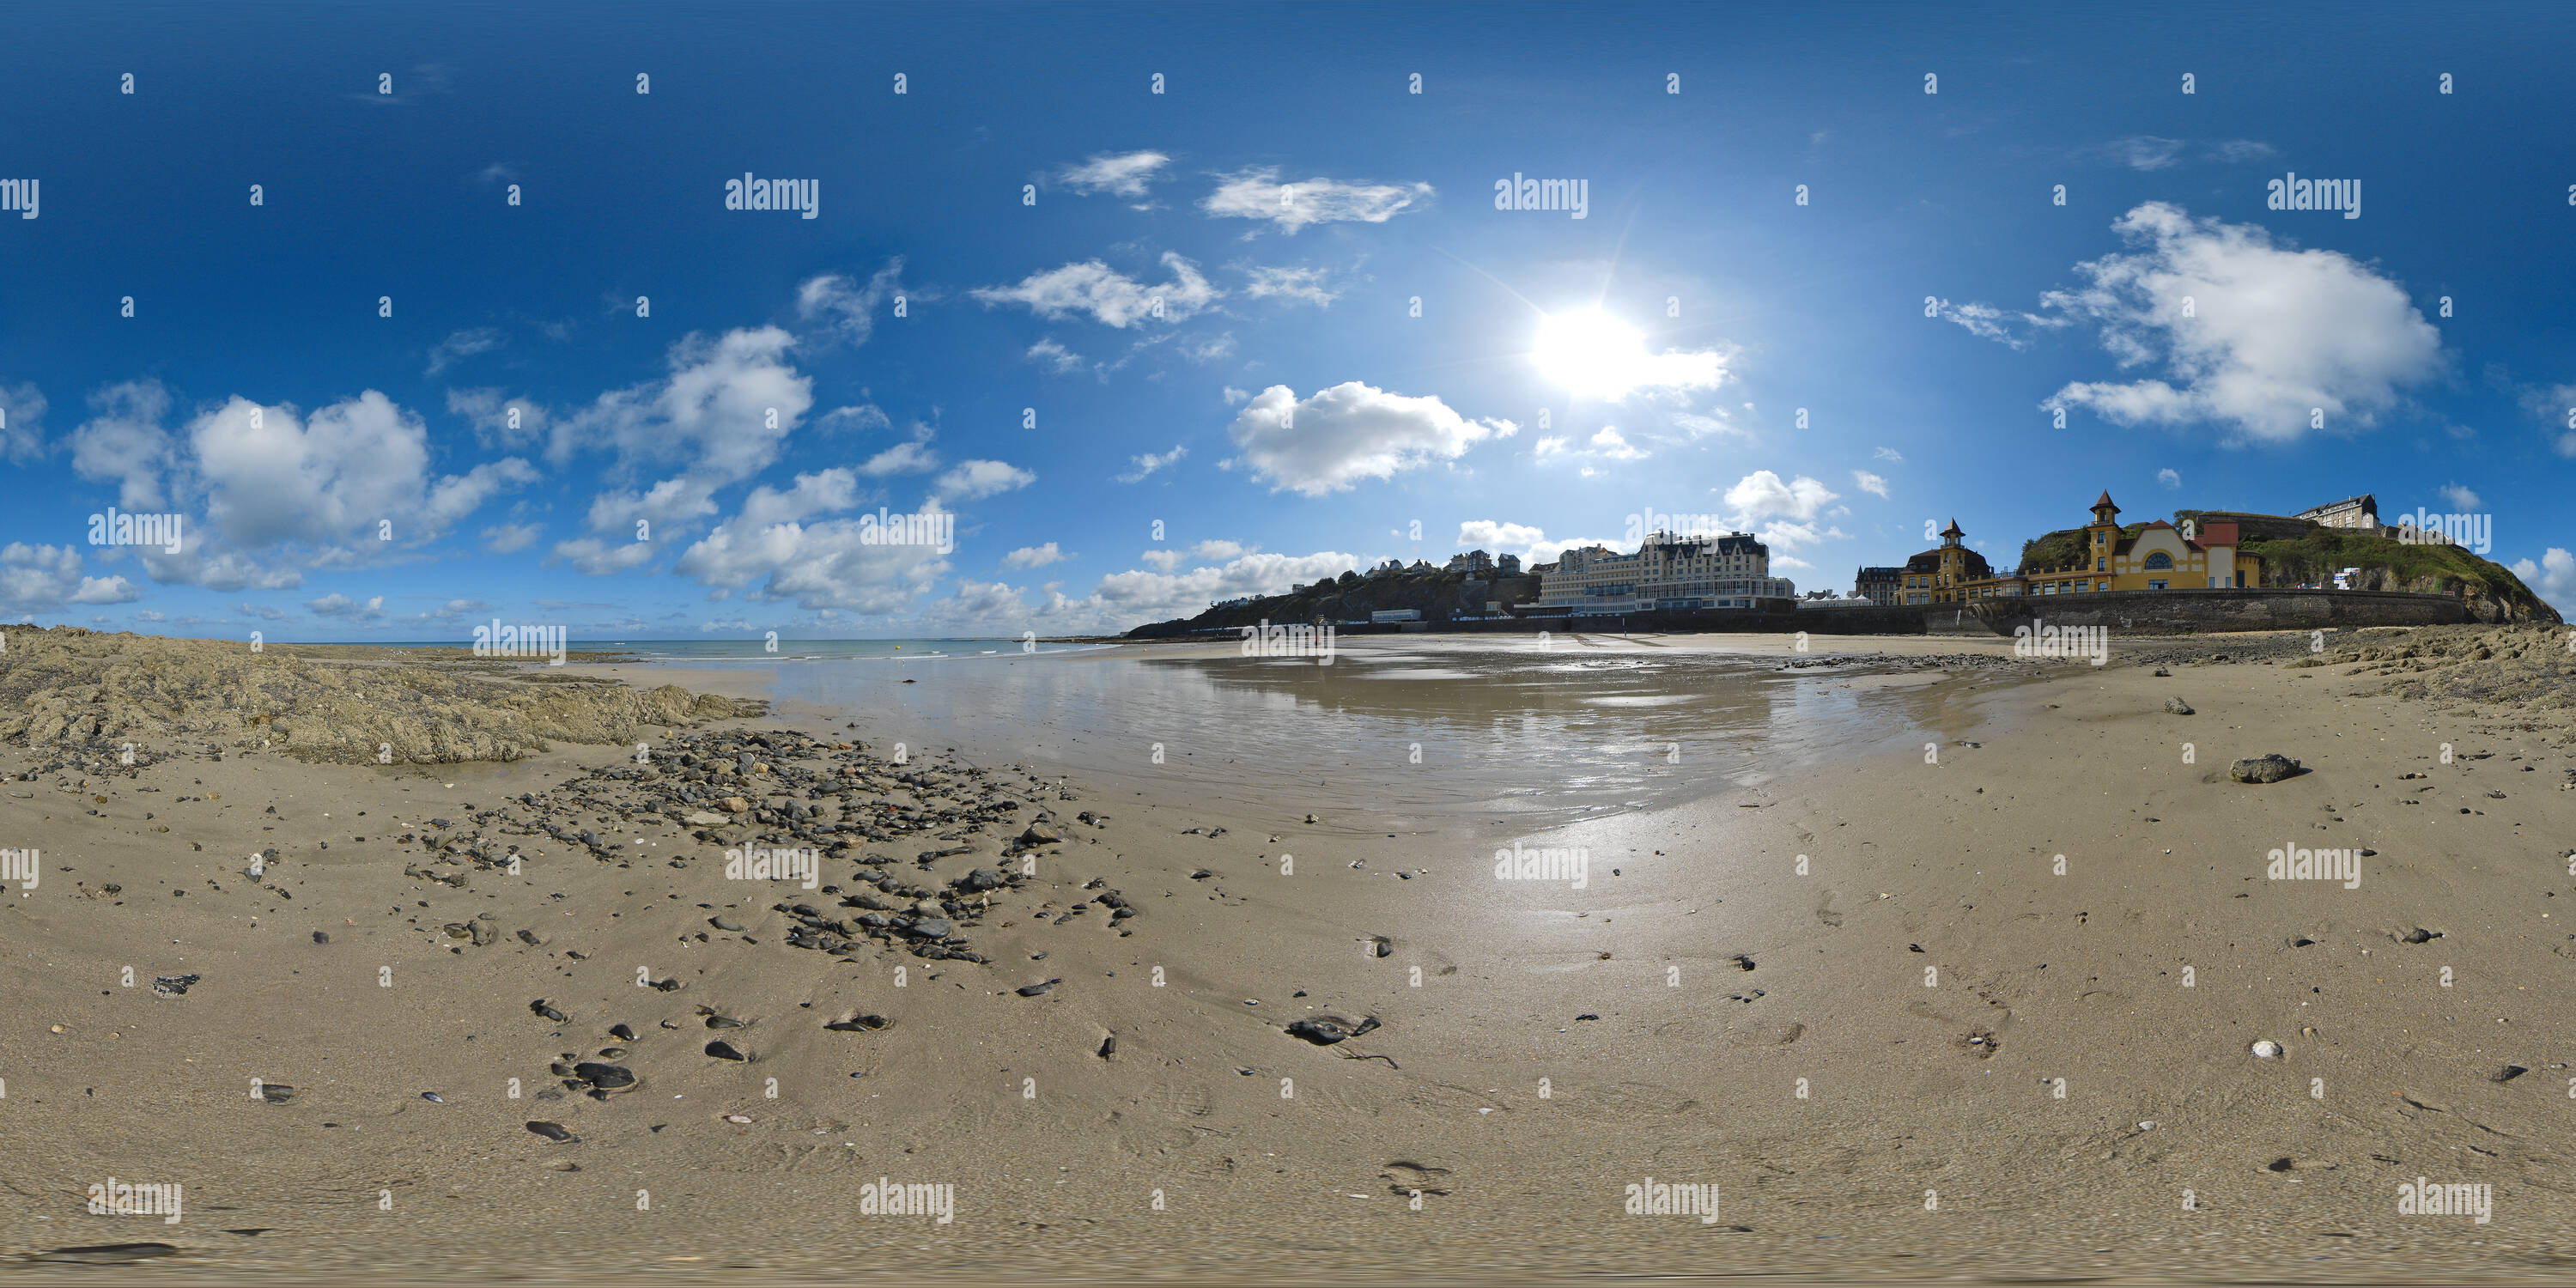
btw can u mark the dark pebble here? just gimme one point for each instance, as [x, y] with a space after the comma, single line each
[725, 1051]
[552, 1131]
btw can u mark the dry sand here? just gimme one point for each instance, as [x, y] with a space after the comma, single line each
[1887, 931]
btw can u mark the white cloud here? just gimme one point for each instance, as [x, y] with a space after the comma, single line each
[2272, 334]
[461, 345]
[341, 606]
[2461, 500]
[770, 552]
[1236, 397]
[2555, 405]
[712, 416]
[1350, 432]
[1889, 454]
[1055, 357]
[914, 457]
[975, 480]
[1204, 352]
[861, 417]
[847, 310]
[1033, 556]
[2143, 151]
[1120, 174]
[1214, 550]
[2169, 478]
[1092, 288]
[498, 421]
[36, 579]
[1782, 514]
[1870, 483]
[1150, 462]
[1986, 322]
[1303, 284]
[510, 537]
[123, 440]
[22, 422]
[1258, 194]
[2553, 578]
[1609, 444]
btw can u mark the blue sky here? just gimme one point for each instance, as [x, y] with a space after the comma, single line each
[1198, 307]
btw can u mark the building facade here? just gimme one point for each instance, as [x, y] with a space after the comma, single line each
[2158, 557]
[2354, 512]
[1878, 585]
[1941, 575]
[1667, 572]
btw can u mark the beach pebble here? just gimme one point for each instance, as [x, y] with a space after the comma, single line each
[551, 1131]
[433, 1097]
[725, 1051]
[2266, 1049]
[2271, 767]
[2177, 706]
[737, 1118]
[1039, 990]
[725, 923]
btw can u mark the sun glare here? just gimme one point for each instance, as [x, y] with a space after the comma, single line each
[1590, 353]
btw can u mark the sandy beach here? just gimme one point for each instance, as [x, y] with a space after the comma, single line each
[1928, 960]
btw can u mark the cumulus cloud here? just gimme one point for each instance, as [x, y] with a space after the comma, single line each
[1782, 514]
[1033, 556]
[2553, 578]
[1120, 174]
[2249, 334]
[2460, 499]
[1150, 462]
[38, 579]
[975, 480]
[1870, 483]
[775, 549]
[2169, 478]
[845, 309]
[1095, 290]
[1213, 550]
[1340, 436]
[719, 416]
[124, 441]
[341, 606]
[1986, 322]
[22, 422]
[1258, 194]
[2555, 405]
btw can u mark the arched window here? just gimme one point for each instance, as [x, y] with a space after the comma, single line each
[2159, 560]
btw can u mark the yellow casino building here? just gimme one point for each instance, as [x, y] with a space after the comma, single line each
[2159, 557]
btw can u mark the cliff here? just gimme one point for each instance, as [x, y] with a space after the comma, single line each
[1437, 595]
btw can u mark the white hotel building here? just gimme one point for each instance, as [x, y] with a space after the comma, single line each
[1667, 572]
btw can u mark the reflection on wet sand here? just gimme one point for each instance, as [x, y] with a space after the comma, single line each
[1391, 734]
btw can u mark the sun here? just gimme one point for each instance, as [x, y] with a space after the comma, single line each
[1590, 353]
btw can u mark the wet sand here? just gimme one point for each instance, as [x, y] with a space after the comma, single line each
[1925, 976]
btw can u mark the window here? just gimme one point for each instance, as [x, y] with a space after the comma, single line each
[2101, 563]
[2157, 584]
[2159, 560]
